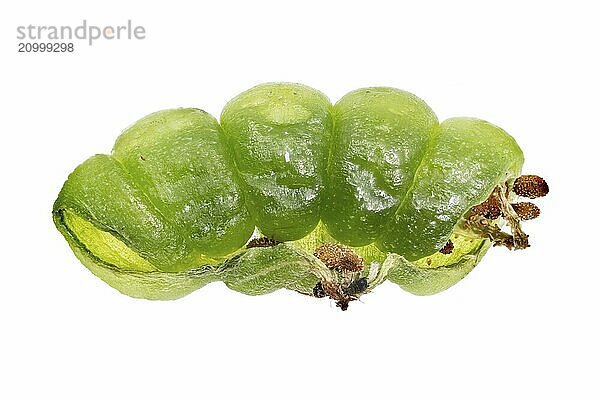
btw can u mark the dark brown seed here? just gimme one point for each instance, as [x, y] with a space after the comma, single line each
[491, 208]
[343, 304]
[448, 247]
[357, 287]
[337, 256]
[319, 291]
[530, 186]
[526, 210]
[262, 242]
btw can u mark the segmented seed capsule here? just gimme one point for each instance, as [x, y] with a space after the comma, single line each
[175, 203]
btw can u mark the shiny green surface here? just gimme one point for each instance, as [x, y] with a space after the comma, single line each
[466, 160]
[173, 205]
[380, 137]
[279, 136]
[177, 160]
[167, 191]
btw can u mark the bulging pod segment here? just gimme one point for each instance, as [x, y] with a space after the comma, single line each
[466, 160]
[167, 191]
[279, 135]
[380, 137]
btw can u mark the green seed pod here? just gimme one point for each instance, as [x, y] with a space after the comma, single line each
[374, 179]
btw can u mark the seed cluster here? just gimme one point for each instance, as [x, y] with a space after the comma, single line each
[347, 285]
[340, 257]
[490, 208]
[481, 217]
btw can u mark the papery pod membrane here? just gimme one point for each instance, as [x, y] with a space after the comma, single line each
[254, 271]
[251, 271]
[436, 273]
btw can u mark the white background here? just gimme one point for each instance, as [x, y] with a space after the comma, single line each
[523, 325]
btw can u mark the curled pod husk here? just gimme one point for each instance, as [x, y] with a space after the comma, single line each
[173, 206]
